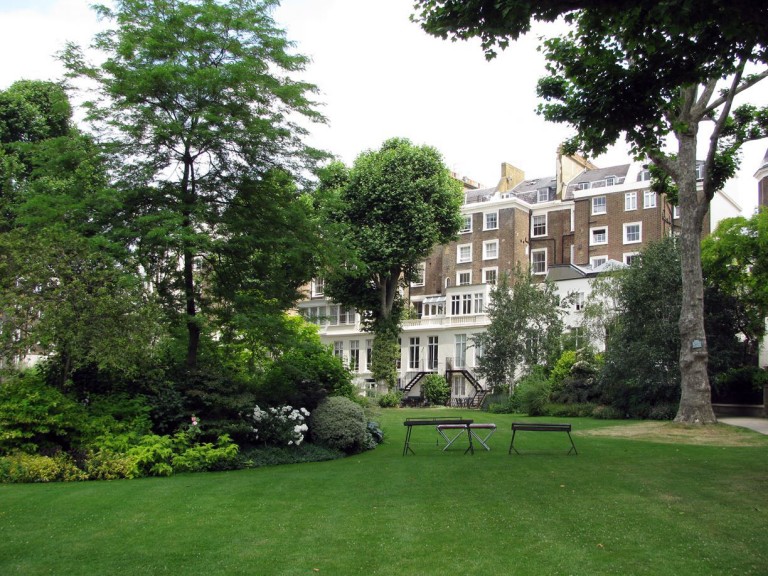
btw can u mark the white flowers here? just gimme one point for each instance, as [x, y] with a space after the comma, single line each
[280, 425]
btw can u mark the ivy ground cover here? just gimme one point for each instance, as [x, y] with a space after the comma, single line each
[655, 500]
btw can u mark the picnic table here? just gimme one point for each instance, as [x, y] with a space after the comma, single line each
[462, 423]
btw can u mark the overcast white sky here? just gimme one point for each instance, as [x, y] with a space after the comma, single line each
[380, 76]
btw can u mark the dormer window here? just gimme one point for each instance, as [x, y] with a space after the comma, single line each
[542, 195]
[610, 180]
[582, 186]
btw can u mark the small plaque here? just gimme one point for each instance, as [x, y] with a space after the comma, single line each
[696, 344]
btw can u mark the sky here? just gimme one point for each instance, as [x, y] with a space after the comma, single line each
[379, 76]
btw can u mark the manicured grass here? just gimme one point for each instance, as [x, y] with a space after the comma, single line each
[622, 506]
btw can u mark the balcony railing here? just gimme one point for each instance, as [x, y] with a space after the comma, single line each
[430, 321]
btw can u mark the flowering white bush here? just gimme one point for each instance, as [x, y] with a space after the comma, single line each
[280, 426]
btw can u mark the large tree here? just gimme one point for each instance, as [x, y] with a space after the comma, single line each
[525, 330]
[735, 262]
[388, 212]
[195, 102]
[64, 290]
[647, 71]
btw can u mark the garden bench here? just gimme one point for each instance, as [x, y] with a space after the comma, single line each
[460, 422]
[540, 427]
[490, 428]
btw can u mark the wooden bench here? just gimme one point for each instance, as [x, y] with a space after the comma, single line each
[540, 427]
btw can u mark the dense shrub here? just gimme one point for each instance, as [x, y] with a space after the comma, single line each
[108, 465]
[23, 467]
[532, 394]
[584, 410]
[602, 412]
[663, 412]
[501, 403]
[742, 385]
[37, 417]
[435, 389]
[339, 423]
[279, 426]
[274, 455]
[575, 378]
[207, 456]
[390, 399]
[303, 376]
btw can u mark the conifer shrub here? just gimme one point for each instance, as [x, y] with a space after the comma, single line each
[340, 424]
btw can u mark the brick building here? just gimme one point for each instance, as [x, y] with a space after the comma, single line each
[564, 227]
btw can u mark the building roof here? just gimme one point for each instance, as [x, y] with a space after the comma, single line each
[763, 165]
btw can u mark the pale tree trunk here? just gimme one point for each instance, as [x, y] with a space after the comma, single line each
[696, 399]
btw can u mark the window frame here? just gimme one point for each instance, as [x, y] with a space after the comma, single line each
[467, 220]
[592, 236]
[626, 226]
[458, 277]
[495, 214]
[534, 225]
[595, 261]
[459, 248]
[495, 270]
[544, 262]
[630, 201]
[649, 199]
[486, 244]
[604, 205]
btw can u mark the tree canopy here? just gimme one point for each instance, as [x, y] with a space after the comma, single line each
[196, 103]
[389, 211]
[646, 71]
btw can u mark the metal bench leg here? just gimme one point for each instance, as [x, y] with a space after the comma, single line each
[512, 444]
[573, 446]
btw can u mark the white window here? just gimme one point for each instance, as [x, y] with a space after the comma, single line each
[368, 354]
[644, 175]
[700, 171]
[338, 349]
[578, 300]
[466, 303]
[460, 358]
[318, 287]
[596, 261]
[354, 355]
[455, 305]
[582, 186]
[630, 257]
[432, 349]
[649, 199]
[633, 233]
[490, 249]
[466, 225]
[418, 279]
[610, 180]
[346, 315]
[491, 221]
[539, 225]
[598, 205]
[542, 195]
[630, 201]
[315, 315]
[414, 353]
[490, 275]
[464, 278]
[464, 253]
[675, 212]
[539, 261]
[598, 236]
[459, 386]
[479, 303]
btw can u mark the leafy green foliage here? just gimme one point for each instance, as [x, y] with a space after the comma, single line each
[532, 393]
[734, 262]
[21, 467]
[340, 424]
[206, 123]
[388, 212]
[641, 357]
[435, 389]
[37, 417]
[390, 399]
[524, 332]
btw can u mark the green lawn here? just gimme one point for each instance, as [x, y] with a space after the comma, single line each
[622, 506]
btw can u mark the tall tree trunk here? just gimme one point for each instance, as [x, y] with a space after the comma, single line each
[695, 400]
[188, 201]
